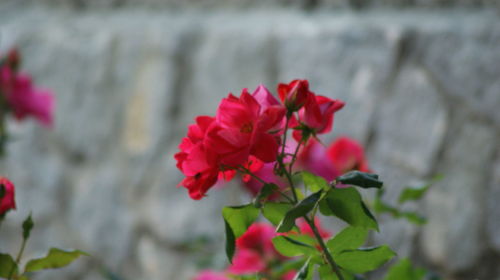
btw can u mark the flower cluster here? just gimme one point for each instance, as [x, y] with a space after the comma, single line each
[247, 131]
[18, 94]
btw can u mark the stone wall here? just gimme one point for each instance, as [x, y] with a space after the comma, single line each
[252, 4]
[422, 91]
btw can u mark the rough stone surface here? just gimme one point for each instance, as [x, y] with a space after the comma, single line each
[493, 196]
[421, 89]
[245, 4]
[456, 209]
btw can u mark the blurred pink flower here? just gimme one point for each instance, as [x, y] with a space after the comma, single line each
[343, 155]
[24, 99]
[247, 261]
[347, 154]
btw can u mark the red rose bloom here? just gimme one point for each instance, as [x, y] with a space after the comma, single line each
[196, 161]
[245, 132]
[7, 200]
[245, 128]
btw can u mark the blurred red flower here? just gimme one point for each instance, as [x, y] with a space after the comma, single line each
[7, 197]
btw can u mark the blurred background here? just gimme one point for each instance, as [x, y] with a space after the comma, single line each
[421, 79]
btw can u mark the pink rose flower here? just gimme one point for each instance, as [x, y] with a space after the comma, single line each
[24, 99]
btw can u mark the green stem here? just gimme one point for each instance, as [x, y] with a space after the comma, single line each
[326, 252]
[288, 175]
[294, 157]
[18, 258]
[282, 164]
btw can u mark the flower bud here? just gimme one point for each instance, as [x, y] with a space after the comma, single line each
[295, 94]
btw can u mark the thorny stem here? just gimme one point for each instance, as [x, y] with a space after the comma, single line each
[326, 252]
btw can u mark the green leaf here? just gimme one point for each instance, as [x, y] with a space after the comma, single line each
[404, 270]
[381, 207]
[349, 238]
[326, 273]
[414, 218]
[305, 272]
[416, 193]
[413, 193]
[294, 245]
[56, 258]
[346, 204]
[284, 267]
[360, 179]
[264, 192]
[27, 227]
[314, 183]
[230, 241]
[299, 210]
[237, 219]
[274, 212]
[364, 260]
[7, 265]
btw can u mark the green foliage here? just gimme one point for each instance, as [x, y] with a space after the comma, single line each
[346, 204]
[379, 206]
[237, 219]
[7, 266]
[299, 210]
[306, 271]
[294, 245]
[284, 267]
[349, 238]
[360, 179]
[407, 194]
[326, 273]
[314, 183]
[417, 192]
[405, 270]
[364, 260]
[274, 212]
[56, 258]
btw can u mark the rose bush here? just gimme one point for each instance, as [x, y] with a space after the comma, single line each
[249, 135]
